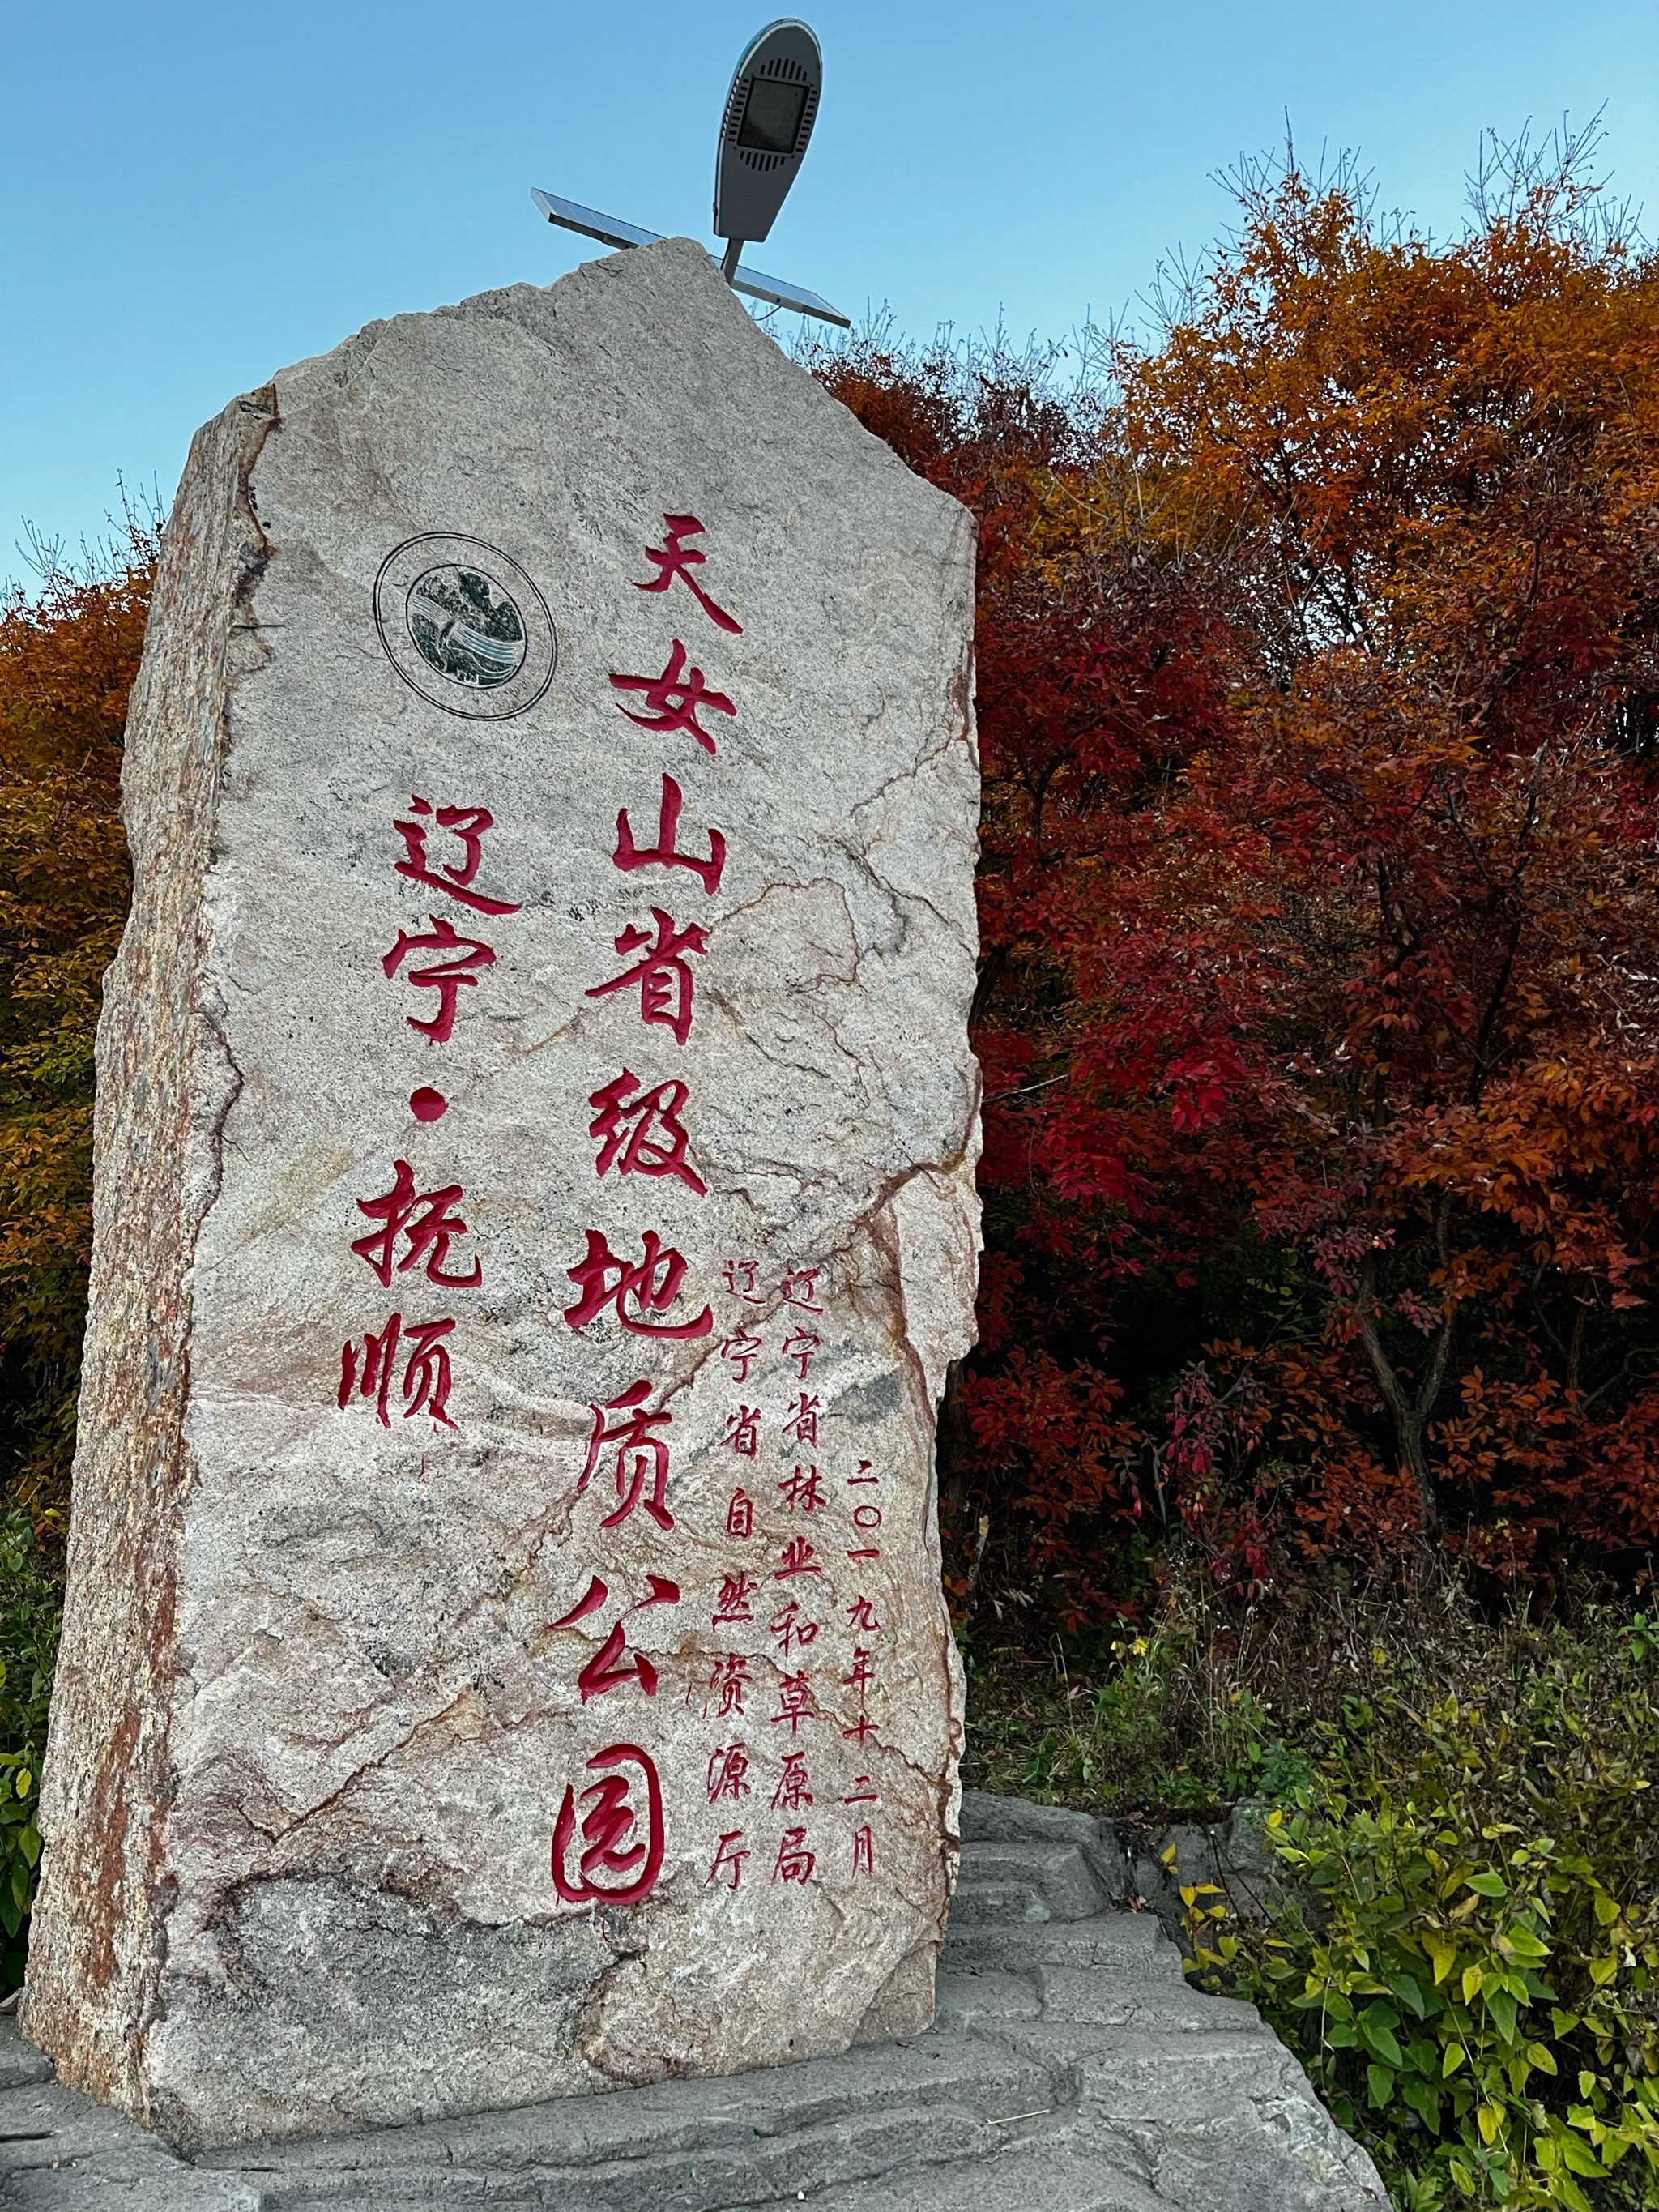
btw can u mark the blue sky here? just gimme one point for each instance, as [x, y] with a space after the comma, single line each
[195, 195]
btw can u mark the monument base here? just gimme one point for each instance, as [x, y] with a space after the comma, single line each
[1072, 2067]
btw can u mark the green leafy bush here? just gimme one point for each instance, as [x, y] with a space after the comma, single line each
[1471, 1973]
[30, 1602]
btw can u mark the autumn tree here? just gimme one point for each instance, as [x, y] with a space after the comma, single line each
[1319, 668]
[69, 652]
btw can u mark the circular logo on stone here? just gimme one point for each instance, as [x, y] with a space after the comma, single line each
[465, 627]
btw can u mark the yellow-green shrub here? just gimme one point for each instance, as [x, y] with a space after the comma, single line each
[1470, 1964]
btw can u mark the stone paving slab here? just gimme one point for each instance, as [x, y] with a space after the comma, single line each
[1072, 2068]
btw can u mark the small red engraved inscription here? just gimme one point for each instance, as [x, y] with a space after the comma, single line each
[795, 1703]
[801, 1348]
[792, 1628]
[729, 1860]
[728, 1682]
[742, 1430]
[728, 1773]
[732, 1603]
[802, 1490]
[794, 1792]
[795, 1862]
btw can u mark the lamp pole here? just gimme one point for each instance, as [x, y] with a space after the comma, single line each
[765, 127]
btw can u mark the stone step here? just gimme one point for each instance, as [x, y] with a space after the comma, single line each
[639, 2147]
[998, 1904]
[761, 2171]
[1130, 1944]
[1056, 1870]
[987, 1819]
[1047, 2179]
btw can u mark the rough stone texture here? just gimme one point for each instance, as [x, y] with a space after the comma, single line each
[316, 1722]
[1070, 2067]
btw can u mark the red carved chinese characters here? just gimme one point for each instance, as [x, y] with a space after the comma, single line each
[797, 1557]
[792, 1628]
[467, 824]
[728, 1773]
[795, 1862]
[672, 700]
[866, 1514]
[633, 1288]
[729, 1860]
[742, 1430]
[641, 1125]
[423, 1219]
[426, 1370]
[741, 1352]
[802, 1490]
[640, 1458]
[794, 1792]
[617, 1865]
[456, 968]
[663, 974]
[728, 1682]
[733, 1603]
[666, 853]
[640, 1130]
[802, 1427]
[800, 1348]
[795, 1703]
[674, 561]
[614, 1665]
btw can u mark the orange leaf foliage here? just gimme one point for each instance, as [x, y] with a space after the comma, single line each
[1319, 693]
[68, 656]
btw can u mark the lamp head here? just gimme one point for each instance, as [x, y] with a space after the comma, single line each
[769, 114]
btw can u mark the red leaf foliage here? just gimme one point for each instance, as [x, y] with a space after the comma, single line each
[1318, 652]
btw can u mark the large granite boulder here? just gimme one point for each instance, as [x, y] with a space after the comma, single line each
[504, 1653]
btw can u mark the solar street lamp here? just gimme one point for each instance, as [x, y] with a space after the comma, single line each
[765, 129]
[769, 114]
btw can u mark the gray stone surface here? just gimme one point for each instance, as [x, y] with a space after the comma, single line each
[331, 1838]
[1072, 2068]
[1147, 1867]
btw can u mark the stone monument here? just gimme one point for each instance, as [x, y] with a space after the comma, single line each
[504, 1654]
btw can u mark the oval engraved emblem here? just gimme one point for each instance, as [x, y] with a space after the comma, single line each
[463, 626]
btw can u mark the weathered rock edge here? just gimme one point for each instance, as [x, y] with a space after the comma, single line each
[155, 1134]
